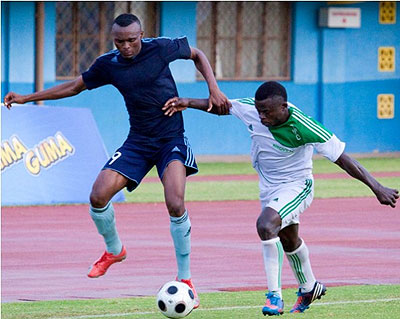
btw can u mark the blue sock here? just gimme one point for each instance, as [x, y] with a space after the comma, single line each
[180, 231]
[105, 222]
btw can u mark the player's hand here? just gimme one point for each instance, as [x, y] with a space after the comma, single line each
[176, 104]
[220, 101]
[12, 97]
[387, 196]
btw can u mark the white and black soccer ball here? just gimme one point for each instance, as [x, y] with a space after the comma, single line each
[175, 299]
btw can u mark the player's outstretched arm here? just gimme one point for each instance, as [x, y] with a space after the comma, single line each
[385, 195]
[178, 104]
[217, 98]
[60, 91]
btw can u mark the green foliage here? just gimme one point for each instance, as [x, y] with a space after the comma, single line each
[366, 302]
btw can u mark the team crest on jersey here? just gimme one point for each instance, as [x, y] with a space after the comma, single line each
[296, 133]
[250, 127]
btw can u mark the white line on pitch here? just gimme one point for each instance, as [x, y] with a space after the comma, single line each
[225, 308]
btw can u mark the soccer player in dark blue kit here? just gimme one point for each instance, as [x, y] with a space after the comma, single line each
[139, 69]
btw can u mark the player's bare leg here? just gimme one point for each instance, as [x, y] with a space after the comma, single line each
[107, 184]
[290, 237]
[174, 182]
[268, 226]
[298, 256]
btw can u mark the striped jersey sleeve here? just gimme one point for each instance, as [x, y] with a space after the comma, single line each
[325, 142]
[312, 131]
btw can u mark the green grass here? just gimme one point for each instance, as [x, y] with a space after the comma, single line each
[321, 165]
[248, 190]
[374, 164]
[340, 302]
[328, 188]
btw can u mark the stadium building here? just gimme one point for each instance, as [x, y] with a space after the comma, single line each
[337, 60]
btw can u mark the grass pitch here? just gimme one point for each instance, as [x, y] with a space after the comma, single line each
[366, 302]
[248, 190]
[320, 165]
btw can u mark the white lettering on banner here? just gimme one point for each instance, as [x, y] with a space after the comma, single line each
[43, 155]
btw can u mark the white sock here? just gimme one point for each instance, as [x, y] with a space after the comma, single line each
[273, 259]
[300, 262]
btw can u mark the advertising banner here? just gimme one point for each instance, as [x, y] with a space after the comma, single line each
[49, 155]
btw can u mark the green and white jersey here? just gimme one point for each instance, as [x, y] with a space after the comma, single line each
[283, 153]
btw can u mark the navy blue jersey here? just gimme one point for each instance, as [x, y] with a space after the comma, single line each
[146, 83]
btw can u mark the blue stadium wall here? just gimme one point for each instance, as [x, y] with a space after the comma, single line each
[334, 77]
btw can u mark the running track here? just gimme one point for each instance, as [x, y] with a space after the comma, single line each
[46, 250]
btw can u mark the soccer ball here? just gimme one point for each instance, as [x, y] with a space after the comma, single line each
[175, 299]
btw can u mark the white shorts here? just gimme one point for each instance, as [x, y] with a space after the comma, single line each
[289, 200]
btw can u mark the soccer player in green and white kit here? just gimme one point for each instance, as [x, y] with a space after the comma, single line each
[283, 141]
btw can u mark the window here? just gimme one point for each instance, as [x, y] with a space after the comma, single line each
[245, 40]
[83, 31]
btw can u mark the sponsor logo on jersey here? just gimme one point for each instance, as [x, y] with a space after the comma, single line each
[282, 149]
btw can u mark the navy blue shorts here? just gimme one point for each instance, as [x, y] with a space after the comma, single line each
[135, 159]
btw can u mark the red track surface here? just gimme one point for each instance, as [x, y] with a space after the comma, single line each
[46, 250]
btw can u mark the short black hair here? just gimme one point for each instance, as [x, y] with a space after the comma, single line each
[270, 89]
[125, 19]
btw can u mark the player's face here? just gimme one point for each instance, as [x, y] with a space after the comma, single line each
[128, 39]
[272, 111]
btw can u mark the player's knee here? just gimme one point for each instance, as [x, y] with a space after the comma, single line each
[97, 200]
[266, 228]
[176, 207]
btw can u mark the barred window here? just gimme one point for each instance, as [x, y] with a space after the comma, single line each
[245, 40]
[83, 31]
